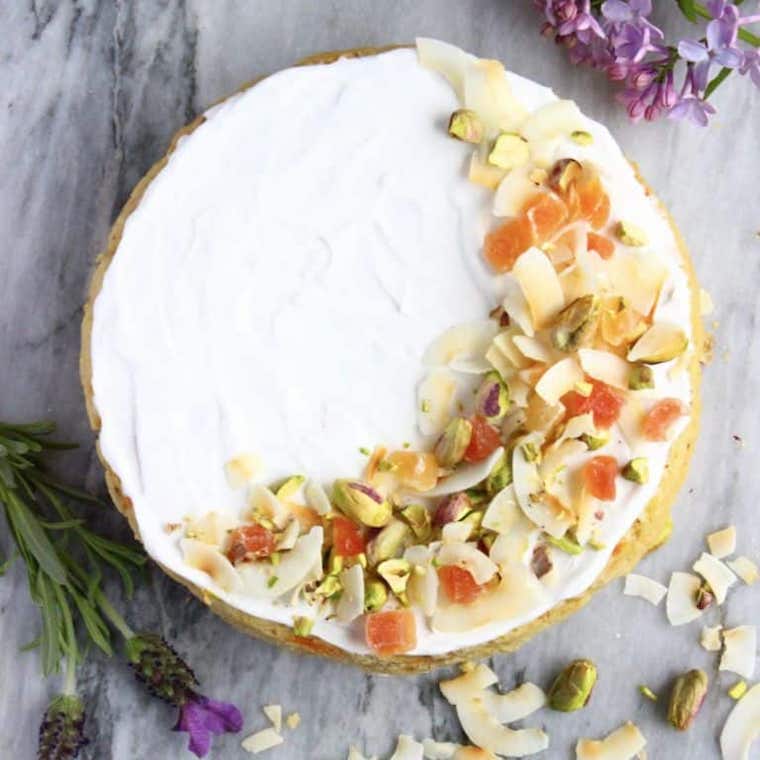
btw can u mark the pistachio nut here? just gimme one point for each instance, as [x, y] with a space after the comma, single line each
[641, 377]
[289, 487]
[540, 562]
[575, 323]
[563, 174]
[488, 539]
[451, 446]
[567, 544]
[375, 595]
[329, 587]
[637, 470]
[396, 572]
[738, 690]
[500, 476]
[596, 441]
[703, 597]
[492, 398]
[418, 518]
[572, 688]
[581, 137]
[688, 693]
[509, 151]
[334, 563]
[302, 626]
[452, 508]
[475, 518]
[361, 502]
[389, 542]
[477, 496]
[531, 452]
[466, 125]
[631, 234]
[647, 692]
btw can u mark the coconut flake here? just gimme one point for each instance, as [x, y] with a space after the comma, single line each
[434, 750]
[274, 713]
[407, 749]
[559, 118]
[470, 558]
[242, 469]
[742, 727]
[533, 349]
[605, 366]
[468, 685]
[423, 581]
[513, 192]
[211, 528]
[351, 602]
[516, 704]
[484, 174]
[745, 568]
[722, 542]
[456, 532]
[261, 741]
[646, 588]
[558, 380]
[680, 605]
[718, 576]
[435, 401]
[446, 59]
[466, 476]
[739, 650]
[211, 561]
[638, 277]
[469, 340]
[710, 638]
[487, 92]
[622, 744]
[287, 540]
[515, 304]
[470, 366]
[540, 286]
[317, 498]
[503, 512]
[263, 502]
[505, 343]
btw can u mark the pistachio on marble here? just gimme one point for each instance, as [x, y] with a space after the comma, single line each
[451, 446]
[362, 502]
[572, 688]
[466, 125]
[704, 596]
[688, 693]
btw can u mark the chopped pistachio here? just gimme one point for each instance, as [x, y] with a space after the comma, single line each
[453, 443]
[375, 595]
[385, 466]
[452, 508]
[637, 470]
[631, 234]
[688, 693]
[293, 720]
[704, 596]
[540, 562]
[334, 563]
[648, 693]
[572, 688]
[738, 690]
[364, 450]
[475, 518]
[272, 580]
[466, 125]
[500, 476]
[361, 502]
[597, 546]
[641, 377]
[425, 406]
[290, 487]
[406, 444]
[575, 324]
[274, 558]
[584, 388]
[596, 441]
[389, 542]
[531, 452]
[567, 544]
[488, 538]
[563, 174]
[396, 572]
[492, 398]
[509, 151]
[418, 518]
[302, 626]
[477, 496]
[582, 137]
[329, 587]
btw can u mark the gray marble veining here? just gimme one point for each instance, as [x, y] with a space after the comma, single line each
[90, 93]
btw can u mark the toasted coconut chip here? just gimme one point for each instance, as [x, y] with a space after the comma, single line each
[516, 545]
[263, 502]
[516, 305]
[487, 92]
[577, 281]
[210, 528]
[484, 174]
[289, 536]
[716, 574]
[471, 559]
[407, 749]
[605, 366]
[474, 753]
[518, 593]
[293, 568]
[261, 741]
[499, 362]
[469, 340]
[745, 568]
[470, 366]
[722, 542]
[575, 427]
[560, 118]
[540, 286]
[456, 532]
[646, 588]
[242, 469]
[680, 605]
[466, 476]
[742, 727]
[435, 401]
[739, 650]
[433, 750]
[274, 713]
[503, 512]
[558, 380]
[505, 343]
[317, 498]
[468, 686]
[446, 59]
[513, 191]
[556, 457]
[660, 343]
[710, 638]
[516, 704]
[638, 277]
[629, 422]
[534, 349]
[622, 744]
[519, 392]
[351, 602]
[422, 588]
[211, 561]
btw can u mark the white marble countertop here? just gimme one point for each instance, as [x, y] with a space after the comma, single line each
[90, 93]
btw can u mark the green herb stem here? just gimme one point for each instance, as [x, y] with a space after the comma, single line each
[113, 616]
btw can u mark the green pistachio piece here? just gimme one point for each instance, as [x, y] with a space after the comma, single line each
[475, 518]
[531, 452]
[575, 324]
[704, 596]
[688, 693]
[389, 542]
[597, 546]
[290, 487]
[375, 595]
[302, 626]
[451, 446]
[563, 174]
[492, 398]
[488, 538]
[631, 234]
[572, 688]
[418, 518]
[509, 151]
[637, 470]
[641, 377]
[361, 502]
[567, 544]
[596, 441]
[476, 496]
[738, 690]
[648, 693]
[466, 125]
[329, 587]
[500, 476]
[582, 137]
[396, 572]
[334, 563]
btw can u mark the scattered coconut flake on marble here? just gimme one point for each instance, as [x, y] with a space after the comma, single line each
[624, 743]
[433, 750]
[722, 543]
[242, 469]
[680, 606]
[354, 754]
[745, 568]
[407, 749]
[261, 741]
[742, 726]
[716, 573]
[293, 721]
[739, 650]
[646, 588]
[274, 713]
[710, 639]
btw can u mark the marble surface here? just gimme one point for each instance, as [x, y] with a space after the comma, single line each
[90, 93]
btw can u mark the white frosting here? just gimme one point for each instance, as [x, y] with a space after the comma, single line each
[279, 282]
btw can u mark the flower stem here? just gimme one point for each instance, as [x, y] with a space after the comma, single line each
[113, 616]
[748, 37]
[70, 679]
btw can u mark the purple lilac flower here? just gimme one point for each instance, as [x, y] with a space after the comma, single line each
[693, 109]
[568, 17]
[751, 66]
[631, 33]
[202, 717]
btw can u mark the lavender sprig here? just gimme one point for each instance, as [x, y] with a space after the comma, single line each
[62, 730]
[619, 38]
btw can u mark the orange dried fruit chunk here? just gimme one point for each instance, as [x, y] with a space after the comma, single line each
[601, 244]
[348, 540]
[593, 203]
[657, 422]
[458, 584]
[599, 475]
[604, 403]
[391, 632]
[415, 470]
[504, 245]
[547, 213]
[484, 441]
[250, 542]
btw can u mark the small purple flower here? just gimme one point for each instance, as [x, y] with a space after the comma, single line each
[692, 109]
[630, 31]
[751, 66]
[571, 17]
[203, 718]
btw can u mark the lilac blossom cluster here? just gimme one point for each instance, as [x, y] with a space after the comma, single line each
[618, 37]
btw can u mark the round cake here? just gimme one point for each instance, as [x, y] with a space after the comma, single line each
[394, 358]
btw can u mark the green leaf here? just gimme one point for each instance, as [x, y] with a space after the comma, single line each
[716, 81]
[33, 644]
[6, 564]
[689, 9]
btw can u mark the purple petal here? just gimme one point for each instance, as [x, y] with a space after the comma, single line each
[692, 50]
[730, 58]
[616, 11]
[229, 716]
[192, 720]
[716, 7]
[641, 7]
[701, 75]
[721, 34]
